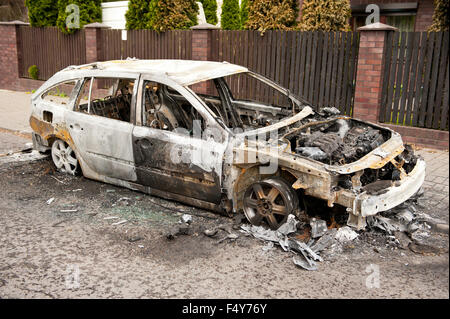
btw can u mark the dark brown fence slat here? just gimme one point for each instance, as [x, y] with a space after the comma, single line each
[321, 85]
[412, 79]
[441, 81]
[317, 67]
[434, 78]
[444, 114]
[406, 71]
[426, 77]
[399, 75]
[340, 71]
[419, 79]
[392, 76]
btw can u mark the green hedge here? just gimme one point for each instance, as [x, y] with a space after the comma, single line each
[272, 15]
[161, 15]
[210, 8]
[42, 13]
[231, 16]
[137, 14]
[47, 13]
[90, 11]
[325, 15]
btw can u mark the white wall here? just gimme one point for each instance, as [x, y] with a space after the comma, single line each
[114, 14]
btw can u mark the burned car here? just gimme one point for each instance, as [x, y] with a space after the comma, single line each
[220, 137]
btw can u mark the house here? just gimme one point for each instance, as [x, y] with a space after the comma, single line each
[406, 15]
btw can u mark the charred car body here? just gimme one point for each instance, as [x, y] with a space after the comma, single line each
[207, 134]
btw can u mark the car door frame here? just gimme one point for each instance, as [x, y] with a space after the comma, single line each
[90, 131]
[185, 180]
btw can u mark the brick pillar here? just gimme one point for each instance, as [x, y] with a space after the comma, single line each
[9, 55]
[93, 41]
[369, 78]
[202, 49]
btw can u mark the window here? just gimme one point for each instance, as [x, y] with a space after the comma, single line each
[404, 23]
[245, 101]
[106, 97]
[166, 109]
[60, 94]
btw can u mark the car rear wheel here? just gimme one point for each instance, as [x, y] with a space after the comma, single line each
[64, 157]
[272, 200]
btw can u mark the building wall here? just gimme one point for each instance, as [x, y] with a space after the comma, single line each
[113, 14]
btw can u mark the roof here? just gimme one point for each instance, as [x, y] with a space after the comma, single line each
[184, 72]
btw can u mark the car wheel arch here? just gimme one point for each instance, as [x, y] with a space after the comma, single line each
[250, 175]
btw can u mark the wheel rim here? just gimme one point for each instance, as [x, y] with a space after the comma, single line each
[64, 157]
[271, 200]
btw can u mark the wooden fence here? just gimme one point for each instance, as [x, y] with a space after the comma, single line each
[416, 80]
[319, 67]
[146, 44]
[49, 49]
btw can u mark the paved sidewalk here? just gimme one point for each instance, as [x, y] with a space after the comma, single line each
[436, 183]
[10, 142]
[15, 108]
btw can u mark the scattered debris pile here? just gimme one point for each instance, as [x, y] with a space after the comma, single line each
[306, 255]
[404, 227]
[407, 227]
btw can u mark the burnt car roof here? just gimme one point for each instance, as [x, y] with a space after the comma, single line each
[183, 72]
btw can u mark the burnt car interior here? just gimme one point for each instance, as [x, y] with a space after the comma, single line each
[166, 109]
[60, 93]
[112, 99]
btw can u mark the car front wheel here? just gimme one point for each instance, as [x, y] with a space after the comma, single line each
[64, 157]
[272, 200]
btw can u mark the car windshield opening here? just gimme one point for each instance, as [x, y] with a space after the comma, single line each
[246, 101]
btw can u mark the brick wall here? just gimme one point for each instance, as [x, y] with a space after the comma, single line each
[422, 136]
[424, 17]
[9, 64]
[369, 75]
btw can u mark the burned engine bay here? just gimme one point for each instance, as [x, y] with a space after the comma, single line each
[337, 141]
[340, 140]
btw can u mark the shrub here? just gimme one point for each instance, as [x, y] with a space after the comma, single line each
[42, 13]
[210, 7]
[441, 19]
[325, 15]
[33, 72]
[269, 15]
[231, 17]
[161, 15]
[136, 14]
[244, 13]
[167, 15]
[90, 11]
